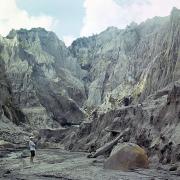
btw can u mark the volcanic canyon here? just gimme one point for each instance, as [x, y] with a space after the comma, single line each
[109, 95]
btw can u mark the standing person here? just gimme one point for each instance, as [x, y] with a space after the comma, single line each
[32, 149]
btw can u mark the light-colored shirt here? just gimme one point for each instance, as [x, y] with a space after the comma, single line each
[31, 146]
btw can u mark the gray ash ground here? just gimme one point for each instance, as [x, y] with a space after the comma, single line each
[60, 164]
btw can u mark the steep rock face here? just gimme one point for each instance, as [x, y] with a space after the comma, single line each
[165, 67]
[7, 106]
[136, 61]
[36, 63]
[11, 116]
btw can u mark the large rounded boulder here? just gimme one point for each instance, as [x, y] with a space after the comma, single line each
[127, 156]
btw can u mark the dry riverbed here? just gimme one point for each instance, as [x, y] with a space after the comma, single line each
[60, 164]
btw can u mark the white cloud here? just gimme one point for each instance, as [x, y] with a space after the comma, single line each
[103, 13]
[68, 39]
[11, 17]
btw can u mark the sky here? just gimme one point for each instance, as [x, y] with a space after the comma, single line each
[71, 19]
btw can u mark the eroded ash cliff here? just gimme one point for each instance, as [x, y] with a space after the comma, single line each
[50, 88]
